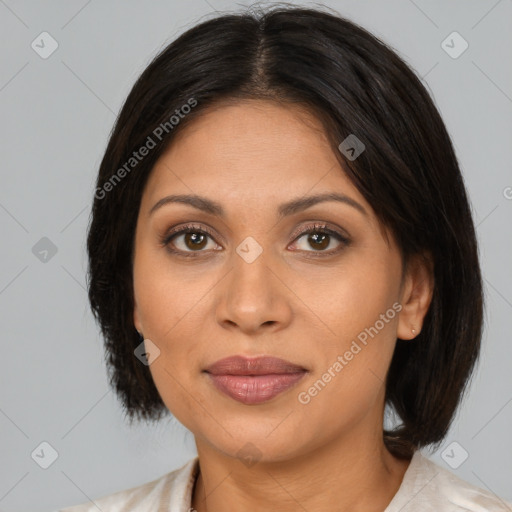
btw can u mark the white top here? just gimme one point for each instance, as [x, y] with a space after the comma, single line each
[426, 487]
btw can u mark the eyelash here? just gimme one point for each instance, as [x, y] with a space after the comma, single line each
[318, 228]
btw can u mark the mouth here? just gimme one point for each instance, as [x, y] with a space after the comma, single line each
[254, 380]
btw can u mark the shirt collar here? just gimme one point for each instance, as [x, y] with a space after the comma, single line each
[183, 485]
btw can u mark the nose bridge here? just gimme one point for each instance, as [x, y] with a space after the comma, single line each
[252, 278]
[252, 295]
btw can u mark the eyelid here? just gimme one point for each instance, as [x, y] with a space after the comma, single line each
[322, 226]
[183, 228]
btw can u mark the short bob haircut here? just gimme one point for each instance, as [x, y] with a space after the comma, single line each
[354, 84]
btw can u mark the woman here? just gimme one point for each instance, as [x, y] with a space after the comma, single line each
[281, 252]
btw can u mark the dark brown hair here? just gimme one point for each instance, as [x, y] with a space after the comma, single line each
[409, 174]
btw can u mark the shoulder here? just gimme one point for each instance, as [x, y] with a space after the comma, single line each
[429, 487]
[170, 491]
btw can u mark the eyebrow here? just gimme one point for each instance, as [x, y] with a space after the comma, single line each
[289, 208]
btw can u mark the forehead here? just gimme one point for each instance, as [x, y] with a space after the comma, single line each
[249, 152]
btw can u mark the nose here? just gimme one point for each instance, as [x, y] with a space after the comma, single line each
[254, 297]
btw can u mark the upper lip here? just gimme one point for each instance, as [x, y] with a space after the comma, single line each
[241, 365]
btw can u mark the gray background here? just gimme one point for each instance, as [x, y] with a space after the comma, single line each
[56, 115]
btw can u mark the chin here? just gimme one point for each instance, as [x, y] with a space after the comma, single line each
[254, 441]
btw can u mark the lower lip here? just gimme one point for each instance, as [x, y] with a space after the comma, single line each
[255, 389]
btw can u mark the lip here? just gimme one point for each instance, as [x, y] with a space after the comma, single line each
[254, 380]
[263, 365]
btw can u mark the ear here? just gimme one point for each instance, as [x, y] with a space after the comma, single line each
[416, 295]
[136, 320]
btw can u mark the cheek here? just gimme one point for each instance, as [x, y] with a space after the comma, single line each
[175, 371]
[172, 305]
[358, 309]
[348, 386]
[168, 296]
[346, 300]
[178, 395]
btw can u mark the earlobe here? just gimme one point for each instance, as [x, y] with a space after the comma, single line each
[416, 296]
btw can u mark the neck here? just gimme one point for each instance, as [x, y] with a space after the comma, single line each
[357, 474]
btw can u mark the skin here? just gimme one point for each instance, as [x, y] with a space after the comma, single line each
[328, 454]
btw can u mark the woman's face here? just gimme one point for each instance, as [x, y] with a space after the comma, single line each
[246, 282]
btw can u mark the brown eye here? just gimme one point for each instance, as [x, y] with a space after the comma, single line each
[195, 240]
[191, 240]
[320, 238]
[188, 240]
